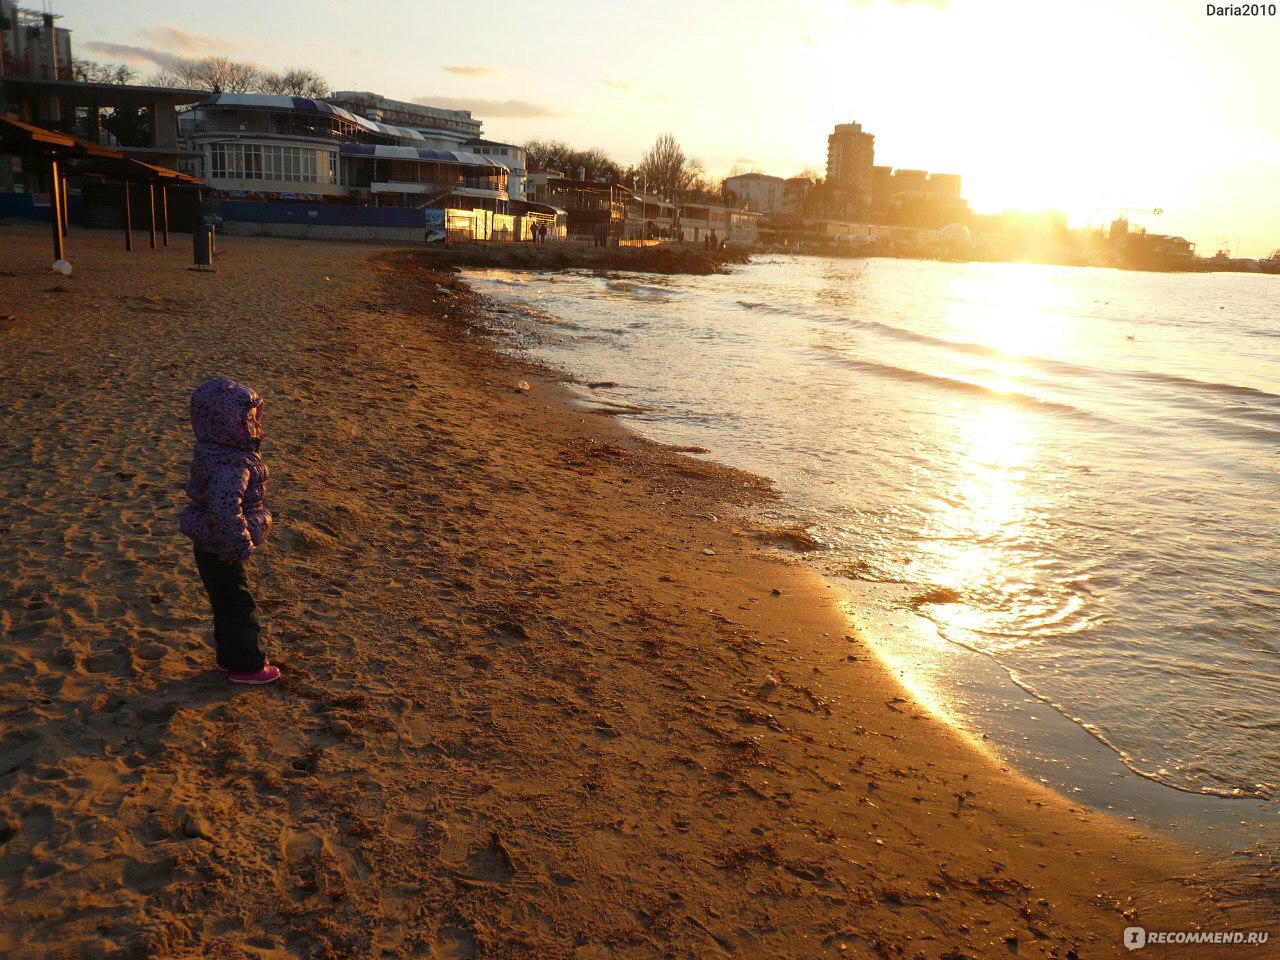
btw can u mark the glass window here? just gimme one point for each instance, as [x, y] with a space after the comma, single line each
[217, 160]
[240, 161]
[253, 161]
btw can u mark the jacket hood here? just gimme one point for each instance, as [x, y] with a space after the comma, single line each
[220, 414]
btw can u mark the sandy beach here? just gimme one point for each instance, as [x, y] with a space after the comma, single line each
[546, 694]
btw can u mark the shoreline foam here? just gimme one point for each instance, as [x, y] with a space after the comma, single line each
[526, 713]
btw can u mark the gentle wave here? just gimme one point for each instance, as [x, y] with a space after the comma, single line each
[640, 290]
[1255, 416]
[912, 375]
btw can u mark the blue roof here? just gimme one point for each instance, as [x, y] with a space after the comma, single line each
[307, 105]
[387, 152]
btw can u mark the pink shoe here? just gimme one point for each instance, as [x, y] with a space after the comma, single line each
[268, 674]
[265, 663]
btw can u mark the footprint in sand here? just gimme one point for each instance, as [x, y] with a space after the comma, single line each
[402, 826]
[300, 844]
[454, 944]
[147, 877]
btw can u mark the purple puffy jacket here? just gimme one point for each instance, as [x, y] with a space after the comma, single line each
[228, 479]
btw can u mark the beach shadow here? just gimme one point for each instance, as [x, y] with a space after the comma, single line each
[56, 736]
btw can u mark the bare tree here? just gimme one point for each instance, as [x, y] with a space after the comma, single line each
[220, 75]
[548, 154]
[593, 164]
[601, 166]
[667, 168]
[90, 71]
[698, 185]
[294, 82]
[215, 74]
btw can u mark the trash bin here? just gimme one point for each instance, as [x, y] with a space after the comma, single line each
[202, 239]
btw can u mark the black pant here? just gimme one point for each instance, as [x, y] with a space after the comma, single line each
[235, 625]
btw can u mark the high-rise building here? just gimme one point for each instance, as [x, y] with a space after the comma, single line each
[850, 158]
[31, 45]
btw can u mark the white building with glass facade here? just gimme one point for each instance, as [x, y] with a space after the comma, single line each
[261, 147]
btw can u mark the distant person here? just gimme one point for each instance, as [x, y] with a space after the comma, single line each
[227, 520]
[712, 242]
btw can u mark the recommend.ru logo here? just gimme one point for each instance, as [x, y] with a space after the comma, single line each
[1135, 938]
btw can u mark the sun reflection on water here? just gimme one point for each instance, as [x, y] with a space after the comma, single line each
[967, 545]
[1024, 314]
[971, 543]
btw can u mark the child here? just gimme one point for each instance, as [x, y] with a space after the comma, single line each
[226, 519]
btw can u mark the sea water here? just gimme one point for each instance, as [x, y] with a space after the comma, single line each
[1071, 473]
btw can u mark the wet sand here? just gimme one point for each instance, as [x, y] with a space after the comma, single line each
[546, 694]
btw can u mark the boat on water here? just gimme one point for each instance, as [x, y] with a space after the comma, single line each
[1271, 264]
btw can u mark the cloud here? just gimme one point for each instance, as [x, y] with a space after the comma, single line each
[140, 56]
[514, 109]
[470, 71]
[614, 84]
[166, 45]
[179, 42]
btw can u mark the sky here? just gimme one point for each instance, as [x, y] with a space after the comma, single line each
[1092, 107]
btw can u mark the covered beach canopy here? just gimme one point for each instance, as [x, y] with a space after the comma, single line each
[91, 159]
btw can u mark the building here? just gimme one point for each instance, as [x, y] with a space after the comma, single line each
[37, 86]
[651, 217]
[795, 193]
[441, 129]
[917, 198]
[943, 186]
[512, 156]
[261, 147]
[595, 211]
[761, 192]
[31, 45]
[850, 160]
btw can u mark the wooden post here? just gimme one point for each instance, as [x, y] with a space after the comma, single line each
[164, 207]
[128, 220]
[151, 209]
[55, 210]
[66, 206]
